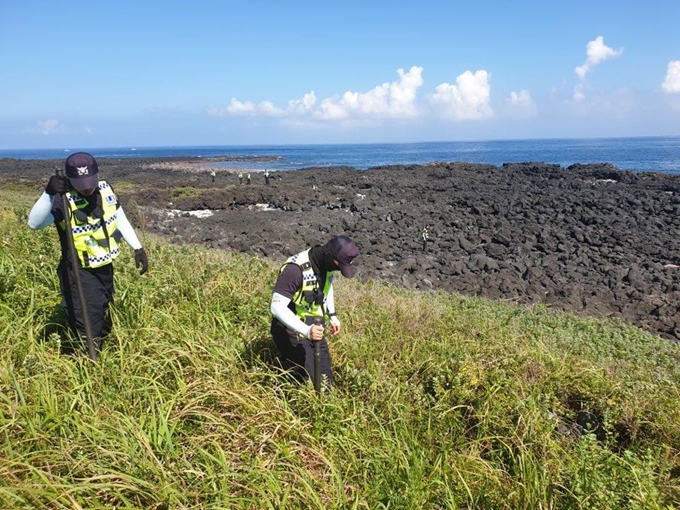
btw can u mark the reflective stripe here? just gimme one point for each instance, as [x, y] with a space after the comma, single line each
[93, 237]
[100, 261]
[310, 282]
[91, 228]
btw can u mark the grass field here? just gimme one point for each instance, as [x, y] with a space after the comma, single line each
[441, 401]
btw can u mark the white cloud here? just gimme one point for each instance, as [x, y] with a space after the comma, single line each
[236, 107]
[671, 85]
[579, 93]
[302, 106]
[221, 112]
[614, 104]
[248, 108]
[389, 100]
[521, 103]
[596, 52]
[333, 110]
[44, 127]
[468, 100]
[269, 109]
[47, 126]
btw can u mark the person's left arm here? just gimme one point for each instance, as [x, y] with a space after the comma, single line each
[127, 231]
[330, 310]
[130, 236]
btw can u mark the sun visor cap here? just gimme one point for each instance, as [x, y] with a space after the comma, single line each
[82, 171]
[343, 249]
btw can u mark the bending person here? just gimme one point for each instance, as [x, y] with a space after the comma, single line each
[301, 301]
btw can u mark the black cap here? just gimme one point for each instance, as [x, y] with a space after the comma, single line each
[82, 170]
[344, 251]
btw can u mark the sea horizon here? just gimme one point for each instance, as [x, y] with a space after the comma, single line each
[640, 154]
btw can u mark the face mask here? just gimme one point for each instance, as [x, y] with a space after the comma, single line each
[328, 262]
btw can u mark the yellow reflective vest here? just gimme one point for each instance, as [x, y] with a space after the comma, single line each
[96, 239]
[309, 300]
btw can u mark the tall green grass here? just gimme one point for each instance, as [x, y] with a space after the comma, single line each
[441, 401]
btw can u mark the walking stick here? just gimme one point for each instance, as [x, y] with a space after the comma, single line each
[317, 362]
[92, 351]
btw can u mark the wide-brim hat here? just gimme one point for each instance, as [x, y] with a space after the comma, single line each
[82, 171]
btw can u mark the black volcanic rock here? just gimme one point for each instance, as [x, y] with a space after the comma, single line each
[589, 239]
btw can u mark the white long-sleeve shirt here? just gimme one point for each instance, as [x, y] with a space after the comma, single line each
[279, 309]
[41, 216]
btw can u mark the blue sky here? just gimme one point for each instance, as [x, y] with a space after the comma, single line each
[208, 72]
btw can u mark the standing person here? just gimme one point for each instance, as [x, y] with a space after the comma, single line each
[425, 236]
[248, 178]
[301, 301]
[212, 174]
[266, 176]
[98, 223]
[240, 177]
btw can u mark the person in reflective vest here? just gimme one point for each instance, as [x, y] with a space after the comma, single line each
[425, 236]
[303, 299]
[98, 224]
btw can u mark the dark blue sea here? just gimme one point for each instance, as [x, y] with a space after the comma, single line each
[643, 154]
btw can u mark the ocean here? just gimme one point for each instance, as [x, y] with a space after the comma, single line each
[641, 154]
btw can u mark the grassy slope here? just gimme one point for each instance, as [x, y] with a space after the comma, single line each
[441, 401]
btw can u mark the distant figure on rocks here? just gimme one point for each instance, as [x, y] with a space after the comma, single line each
[212, 174]
[248, 178]
[425, 236]
[266, 177]
[301, 301]
[98, 224]
[240, 177]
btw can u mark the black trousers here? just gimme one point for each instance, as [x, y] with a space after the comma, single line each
[297, 354]
[97, 287]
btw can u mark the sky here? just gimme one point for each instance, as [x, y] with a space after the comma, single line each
[218, 72]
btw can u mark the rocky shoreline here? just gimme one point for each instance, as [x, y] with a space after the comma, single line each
[590, 239]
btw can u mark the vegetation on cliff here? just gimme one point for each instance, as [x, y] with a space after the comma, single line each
[441, 401]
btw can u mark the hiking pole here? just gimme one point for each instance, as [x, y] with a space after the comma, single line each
[92, 351]
[317, 361]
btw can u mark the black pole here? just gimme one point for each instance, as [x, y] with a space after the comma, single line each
[317, 361]
[92, 351]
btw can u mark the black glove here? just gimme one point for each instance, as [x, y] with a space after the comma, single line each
[57, 184]
[141, 262]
